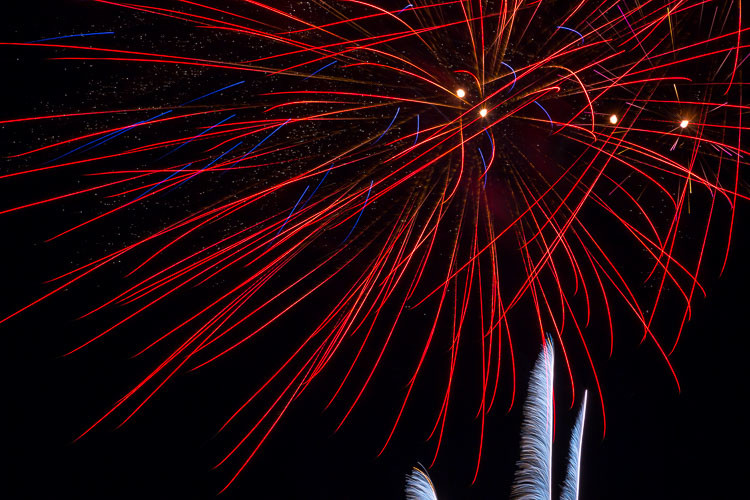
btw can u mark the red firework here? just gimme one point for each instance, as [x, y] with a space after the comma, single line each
[467, 159]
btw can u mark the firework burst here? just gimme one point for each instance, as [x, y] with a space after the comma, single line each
[364, 163]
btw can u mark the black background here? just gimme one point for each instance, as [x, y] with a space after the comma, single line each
[659, 444]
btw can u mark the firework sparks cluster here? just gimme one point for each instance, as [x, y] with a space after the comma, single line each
[364, 163]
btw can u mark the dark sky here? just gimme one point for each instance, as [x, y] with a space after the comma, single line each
[659, 444]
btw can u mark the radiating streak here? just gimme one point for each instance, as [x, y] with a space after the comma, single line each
[574, 31]
[489, 136]
[269, 135]
[161, 182]
[317, 187]
[212, 93]
[360, 213]
[416, 138]
[73, 36]
[196, 136]
[409, 5]
[288, 216]
[222, 155]
[514, 75]
[108, 137]
[389, 126]
[105, 138]
[545, 112]
[319, 70]
[485, 166]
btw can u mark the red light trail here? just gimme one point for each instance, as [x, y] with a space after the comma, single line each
[464, 160]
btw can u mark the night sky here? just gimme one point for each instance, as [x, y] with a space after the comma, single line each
[659, 443]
